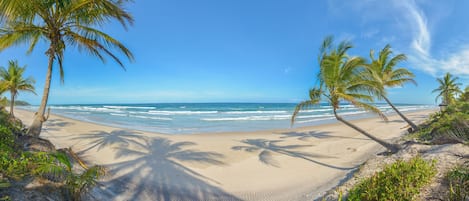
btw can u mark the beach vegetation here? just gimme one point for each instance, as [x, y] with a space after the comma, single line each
[76, 184]
[18, 165]
[448, 89]
[342, 79]
[13, 80]
[383, 71]
[465, 95]
[458, 180]
[62, 24]
[399, 181]
[448, 126]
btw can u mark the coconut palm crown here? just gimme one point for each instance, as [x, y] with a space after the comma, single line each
[12, 80]
[62, 24]
[384, 72]
[341, 79]
[448, 89]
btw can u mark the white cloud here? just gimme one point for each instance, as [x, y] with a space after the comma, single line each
[456, 62]
[411, 26]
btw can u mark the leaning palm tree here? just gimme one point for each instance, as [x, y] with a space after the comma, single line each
[340, 81]
[383, 71]
[65, 23]
[12, 80]
[448, 89]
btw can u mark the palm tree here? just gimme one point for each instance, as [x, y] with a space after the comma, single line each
[448, 89]
[340, 79]
[465, 95]
[382, 70]
[65, 23]
[12, 80]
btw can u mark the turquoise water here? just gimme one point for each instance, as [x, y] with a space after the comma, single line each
[186, 118]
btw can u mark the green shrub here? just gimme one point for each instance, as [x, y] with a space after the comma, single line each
[450, 126]
[7, 139]
[458, 180]
[398, 181]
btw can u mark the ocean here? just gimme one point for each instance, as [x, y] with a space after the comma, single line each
[189, 118]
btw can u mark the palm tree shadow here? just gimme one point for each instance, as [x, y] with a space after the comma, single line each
[156, 174]
[304, 136]
[102, 139]
[267, 147]
[55, 124]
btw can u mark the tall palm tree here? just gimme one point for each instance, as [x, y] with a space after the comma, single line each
[448, 89]
[340, 80]
[64, 23]
[383, 71]
[12, 80]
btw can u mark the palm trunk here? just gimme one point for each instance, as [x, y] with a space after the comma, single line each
[414, 127]
[36, 126]
[12, 102]
[393, 148]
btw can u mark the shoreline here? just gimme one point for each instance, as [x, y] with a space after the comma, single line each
[280, 164]
[330, 121]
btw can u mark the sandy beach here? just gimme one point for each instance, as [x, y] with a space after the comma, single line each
[289, 164]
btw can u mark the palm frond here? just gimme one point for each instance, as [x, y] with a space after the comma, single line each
[314, 98]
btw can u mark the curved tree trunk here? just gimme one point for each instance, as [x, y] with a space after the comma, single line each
[414, 127]
[36, 126]
[12, 102]
[393, 148]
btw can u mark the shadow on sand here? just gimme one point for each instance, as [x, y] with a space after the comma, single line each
[267, 147]
[316, 135]
[55, 125]
[154, 173]
[102, 139]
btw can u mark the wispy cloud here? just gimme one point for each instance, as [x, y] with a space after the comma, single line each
[413, 28]
[456, 61]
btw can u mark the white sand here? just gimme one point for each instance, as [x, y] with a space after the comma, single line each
[290, 164]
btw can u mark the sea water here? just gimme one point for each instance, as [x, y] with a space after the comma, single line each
[187, 118]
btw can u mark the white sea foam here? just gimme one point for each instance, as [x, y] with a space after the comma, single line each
[256, 112]
[316, 110]
[118, 114]
[180, 112]
[155, 118]
[129, 107]
[249, 118]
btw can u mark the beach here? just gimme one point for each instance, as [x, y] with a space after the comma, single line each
[279, 164]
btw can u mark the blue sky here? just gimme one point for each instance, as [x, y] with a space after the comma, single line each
[255, 51]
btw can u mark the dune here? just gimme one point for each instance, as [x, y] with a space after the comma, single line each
[282, 164]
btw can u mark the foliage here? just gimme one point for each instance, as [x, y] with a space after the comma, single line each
[458, 180]
[61, 170]
[448, 89]
[82, 183]
[4, 102]
[383, 72]
[449, 126]
[62, 24]
[465, 95]
[398, 181]
[343, 78]
[17, 164]
[6, 137]
[12, 80]
[340, 79]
